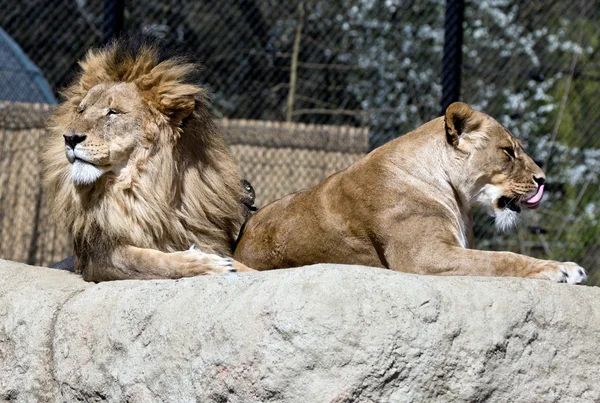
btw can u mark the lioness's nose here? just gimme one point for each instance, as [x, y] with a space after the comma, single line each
[73, 139]
[540, 180]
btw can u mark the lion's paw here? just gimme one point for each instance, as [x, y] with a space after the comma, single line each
[217, 264]
[566, 272]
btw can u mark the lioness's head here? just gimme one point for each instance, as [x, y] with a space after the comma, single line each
[504, 177]
[123, 107]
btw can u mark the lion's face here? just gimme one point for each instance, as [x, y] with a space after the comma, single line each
[506, 177]
[105, 128]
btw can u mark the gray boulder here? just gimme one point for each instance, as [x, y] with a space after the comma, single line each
[323, 333]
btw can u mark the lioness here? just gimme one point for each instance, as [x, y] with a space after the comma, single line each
[407, 206]
[137, 172]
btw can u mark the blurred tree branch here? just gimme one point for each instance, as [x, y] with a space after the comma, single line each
[294, 67]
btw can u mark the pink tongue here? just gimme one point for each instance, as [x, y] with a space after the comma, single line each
[538, 196]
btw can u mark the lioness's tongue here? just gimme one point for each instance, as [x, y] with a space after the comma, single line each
[535, 199]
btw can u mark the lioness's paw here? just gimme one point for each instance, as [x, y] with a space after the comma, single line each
[567, 272]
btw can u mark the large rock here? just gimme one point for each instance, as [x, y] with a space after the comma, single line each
[315, 334]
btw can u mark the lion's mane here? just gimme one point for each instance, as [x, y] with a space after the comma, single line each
[182, 187]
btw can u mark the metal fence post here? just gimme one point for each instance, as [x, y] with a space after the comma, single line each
[114, 19]
[452, 61]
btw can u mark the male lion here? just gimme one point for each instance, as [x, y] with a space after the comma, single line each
[407, 206]
[137, 171]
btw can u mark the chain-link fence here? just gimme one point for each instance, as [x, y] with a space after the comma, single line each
[374, 64]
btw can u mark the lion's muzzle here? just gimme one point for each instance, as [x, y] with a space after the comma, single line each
[72, 139]
[79, 147]
[89, 159]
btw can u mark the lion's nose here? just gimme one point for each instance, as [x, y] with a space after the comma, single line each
[73, 139]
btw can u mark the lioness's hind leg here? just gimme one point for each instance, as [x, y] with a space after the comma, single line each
[239, 266]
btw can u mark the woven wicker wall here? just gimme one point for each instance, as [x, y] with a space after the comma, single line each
[278, 158]
[26, 232]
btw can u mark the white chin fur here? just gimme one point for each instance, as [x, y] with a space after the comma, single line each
[505, 219]
[83, 173]
[487, 196]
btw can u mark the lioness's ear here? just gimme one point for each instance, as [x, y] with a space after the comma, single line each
[460, 118]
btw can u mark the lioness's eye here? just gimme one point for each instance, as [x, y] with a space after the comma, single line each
[112, 111]
[509, 151]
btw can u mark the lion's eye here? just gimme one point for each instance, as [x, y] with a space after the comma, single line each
[509, 151]
[112, 111]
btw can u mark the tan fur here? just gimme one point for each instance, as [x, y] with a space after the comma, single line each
[407, 206]
[166, 179]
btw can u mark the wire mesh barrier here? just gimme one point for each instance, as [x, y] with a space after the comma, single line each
[375, 66]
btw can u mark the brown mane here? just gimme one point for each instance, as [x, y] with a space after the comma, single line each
[182, 186]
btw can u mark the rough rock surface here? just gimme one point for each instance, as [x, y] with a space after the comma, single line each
[315, 334]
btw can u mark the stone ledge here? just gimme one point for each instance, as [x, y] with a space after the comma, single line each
[315, 334]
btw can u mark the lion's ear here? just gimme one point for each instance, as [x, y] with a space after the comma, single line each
[178, 102]
[460, 118]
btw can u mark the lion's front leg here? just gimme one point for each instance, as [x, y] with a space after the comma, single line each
[131, 262]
